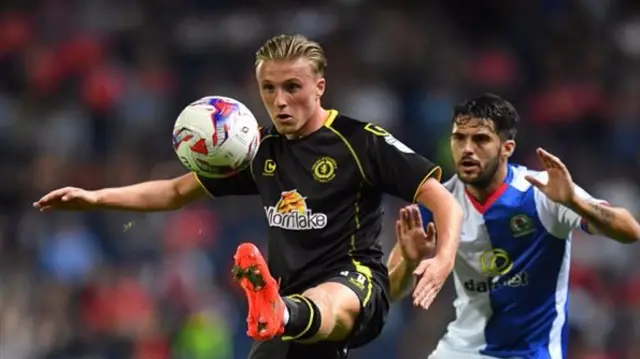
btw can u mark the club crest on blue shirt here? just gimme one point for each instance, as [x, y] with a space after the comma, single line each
[521, 225]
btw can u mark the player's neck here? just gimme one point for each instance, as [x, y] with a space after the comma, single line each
[316, 122]
[482, 194]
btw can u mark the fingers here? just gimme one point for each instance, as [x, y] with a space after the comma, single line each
[545, 157]
[51, 196]
[411, 218]
[415, 217]
[428, 299]
[422, 268]
[549, 160]
[399, 230]
[534, 181]
[423, 292]
[62, 194]
[69, 195]
[427, 286]
[422, 287]
[431, 239]
[431, 231]
[406, 217]
[401, 227]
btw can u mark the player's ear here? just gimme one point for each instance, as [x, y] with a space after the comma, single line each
[320, 86]
[508, 147]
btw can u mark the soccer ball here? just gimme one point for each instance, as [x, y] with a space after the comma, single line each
[216, 137]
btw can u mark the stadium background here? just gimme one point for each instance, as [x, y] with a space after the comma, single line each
[89, 90]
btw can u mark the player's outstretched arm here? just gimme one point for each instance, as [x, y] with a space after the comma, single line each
[413, 244]
[614, 222]
[162, 195]
[447, 216]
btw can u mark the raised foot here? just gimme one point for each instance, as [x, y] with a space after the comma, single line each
[266, 307]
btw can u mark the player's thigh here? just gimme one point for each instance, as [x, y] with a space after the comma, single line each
[339, 305]
[373, 307]
[278, 349]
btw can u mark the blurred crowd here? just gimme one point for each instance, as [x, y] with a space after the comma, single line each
[89, 90]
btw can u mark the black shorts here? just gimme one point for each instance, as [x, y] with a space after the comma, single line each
[369, 324]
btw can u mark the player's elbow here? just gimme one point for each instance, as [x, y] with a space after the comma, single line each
[184, 190]
[635, 231]
[629, 239]
[175, 204]
[169, 200]
[634, 239]
[629, 228]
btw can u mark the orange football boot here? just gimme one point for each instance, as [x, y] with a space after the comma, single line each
[266, 307]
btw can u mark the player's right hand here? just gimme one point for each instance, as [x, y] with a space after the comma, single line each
[415, 243]
[67, 198]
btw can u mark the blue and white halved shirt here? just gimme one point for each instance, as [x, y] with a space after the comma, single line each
[511, 272]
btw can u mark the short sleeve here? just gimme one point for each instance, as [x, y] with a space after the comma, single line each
[240, 184]
[393, 166]
[559, 220]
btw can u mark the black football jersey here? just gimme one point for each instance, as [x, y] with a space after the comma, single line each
[322, 197]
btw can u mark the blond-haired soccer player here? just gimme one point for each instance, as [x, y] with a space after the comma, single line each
[321, 177]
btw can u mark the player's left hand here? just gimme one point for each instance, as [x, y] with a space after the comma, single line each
[432, 274]
[415, 243]
[559, 188]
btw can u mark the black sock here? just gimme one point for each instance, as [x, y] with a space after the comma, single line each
[304, 318]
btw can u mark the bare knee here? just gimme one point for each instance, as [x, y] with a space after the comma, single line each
[339, 307]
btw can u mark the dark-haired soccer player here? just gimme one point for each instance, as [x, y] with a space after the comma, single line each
[512, 269]
[321, 177]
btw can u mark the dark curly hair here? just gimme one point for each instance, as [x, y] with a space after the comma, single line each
[490, 107]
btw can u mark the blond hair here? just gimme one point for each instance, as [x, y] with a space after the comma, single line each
[292, 47]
